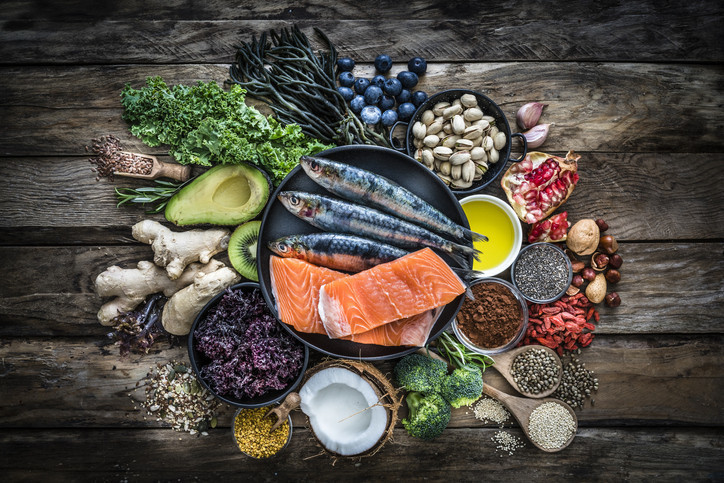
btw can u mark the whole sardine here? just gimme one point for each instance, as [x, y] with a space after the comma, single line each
[339, 216]
[370, 189]
[337, 251]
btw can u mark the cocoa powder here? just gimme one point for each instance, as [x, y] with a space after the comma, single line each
[493, 318]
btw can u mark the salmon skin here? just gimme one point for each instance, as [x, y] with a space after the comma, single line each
[402, 288]
[370, 189]
[334, 250]
[339, 216]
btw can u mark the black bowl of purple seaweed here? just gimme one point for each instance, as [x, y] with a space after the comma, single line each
[241, 353]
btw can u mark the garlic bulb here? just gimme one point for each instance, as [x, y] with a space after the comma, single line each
[537, 135]
[528, 115]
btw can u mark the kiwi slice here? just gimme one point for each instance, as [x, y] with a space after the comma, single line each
[242, 249]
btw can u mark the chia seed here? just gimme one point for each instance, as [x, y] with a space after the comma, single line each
[541, 273]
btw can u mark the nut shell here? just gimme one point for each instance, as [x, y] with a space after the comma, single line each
[583, 237]
[596, 290]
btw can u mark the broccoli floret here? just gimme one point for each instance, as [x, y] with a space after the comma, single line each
[416, 372]
[428, 417]
[463, 386]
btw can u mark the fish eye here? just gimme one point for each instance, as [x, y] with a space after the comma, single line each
[314, 166]
[283, 247]
[293, 200]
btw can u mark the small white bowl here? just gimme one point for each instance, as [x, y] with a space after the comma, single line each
[517, 232]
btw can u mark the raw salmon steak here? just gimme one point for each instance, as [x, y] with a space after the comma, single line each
[295, 286]
[412, 331]
[394, 290]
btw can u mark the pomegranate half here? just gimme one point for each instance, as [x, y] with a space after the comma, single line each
[552, 229]
[539, 184]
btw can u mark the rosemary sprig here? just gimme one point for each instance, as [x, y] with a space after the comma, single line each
[299, 86]
[459, 355]
[157, 196]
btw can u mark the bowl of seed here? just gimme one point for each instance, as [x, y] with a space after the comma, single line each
[542, 273]
[251, 431]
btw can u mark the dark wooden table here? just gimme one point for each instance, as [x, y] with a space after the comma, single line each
[636, 88]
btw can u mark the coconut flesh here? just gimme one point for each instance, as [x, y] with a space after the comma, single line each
[342, 411]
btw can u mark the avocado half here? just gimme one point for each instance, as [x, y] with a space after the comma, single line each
[227, 194]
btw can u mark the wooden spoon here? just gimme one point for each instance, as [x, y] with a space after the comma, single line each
[159, 169]
[291, 402]
[504, 364]
[521, 408]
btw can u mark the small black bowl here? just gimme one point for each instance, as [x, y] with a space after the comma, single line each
[197, 360]
[489, 108]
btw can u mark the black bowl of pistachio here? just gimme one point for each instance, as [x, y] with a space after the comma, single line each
[463, 137]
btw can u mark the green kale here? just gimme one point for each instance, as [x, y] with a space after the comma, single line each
[463, 386]
[429, 415]
[205, 125]
[416, 372]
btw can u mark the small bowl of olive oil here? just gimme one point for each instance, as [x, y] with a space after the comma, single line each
[494, 218]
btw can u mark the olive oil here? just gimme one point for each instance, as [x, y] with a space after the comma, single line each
[490, 220]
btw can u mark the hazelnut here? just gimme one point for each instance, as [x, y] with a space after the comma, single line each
[613, 300]
[615, 261]
[577, 281]
[608, 244]
[599, 261]
[577, 266]
[596, 290]
[613, 275]
[572, 290]
[588, 274]
[602, 225]
[583, 237]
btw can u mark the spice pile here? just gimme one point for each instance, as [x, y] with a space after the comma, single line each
[493, 319]
[253, 435]
[561, 324]
[174, 395]
[108, 158]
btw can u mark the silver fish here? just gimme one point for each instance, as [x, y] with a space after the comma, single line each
[370, 189]
[337, 251]
[339, 216]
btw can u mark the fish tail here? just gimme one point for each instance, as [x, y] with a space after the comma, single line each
[466, 275]
[466, 251]
[462, 261]
[474, 235]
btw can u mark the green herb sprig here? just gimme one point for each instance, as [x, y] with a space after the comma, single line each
[459, 355]
[157, 196]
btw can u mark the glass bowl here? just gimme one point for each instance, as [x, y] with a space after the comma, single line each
[233, 433]
[560, 253]
[511, 343]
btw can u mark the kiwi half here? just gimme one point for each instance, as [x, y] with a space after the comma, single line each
[242, 249]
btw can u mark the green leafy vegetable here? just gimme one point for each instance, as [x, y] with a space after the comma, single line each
[463, 386]
[429, 415]
[204, 124]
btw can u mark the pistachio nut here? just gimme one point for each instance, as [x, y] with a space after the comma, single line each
[458, 124]
[456, 171]
[499, 140]
[440, 107]
[434, 128]
[427, 117]
[459, 157]
[419, 130]
[473, 114]
[451, 111]
[493, 155]
[442, 152]
[469, 100]
[431, 141]
[445, 168]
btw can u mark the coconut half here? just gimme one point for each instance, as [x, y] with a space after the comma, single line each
[344, 411]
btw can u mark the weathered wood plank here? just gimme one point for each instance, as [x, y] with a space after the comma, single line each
[597, 454]
[181, 32]
[652, 380]
[617, 107]
[57, 201]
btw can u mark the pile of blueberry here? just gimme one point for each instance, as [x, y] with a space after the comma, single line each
[374, 100]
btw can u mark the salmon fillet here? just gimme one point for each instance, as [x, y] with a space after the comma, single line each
[295, 285]
[412, 331]
[395, 290]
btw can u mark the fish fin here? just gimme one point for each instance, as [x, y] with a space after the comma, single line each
[466, 251]
[474, 236]
[462, 261]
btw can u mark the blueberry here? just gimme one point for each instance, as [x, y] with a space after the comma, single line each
[347, 93]
[361, 85]
[357, 104]
[404, 96]
[389, 117]
[345, 64]
[383, 63]
[371, 114]
[386, 102]
[378, 80]
[417, 65]
[373, 95]
[393, 87]
[408, 79]
[406, 110]
[346, 79]
[418, 97]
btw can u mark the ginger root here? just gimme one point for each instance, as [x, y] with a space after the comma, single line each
[131, 286]
[181, 309]
[176, 250]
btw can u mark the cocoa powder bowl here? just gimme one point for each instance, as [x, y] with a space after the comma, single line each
[495, 321]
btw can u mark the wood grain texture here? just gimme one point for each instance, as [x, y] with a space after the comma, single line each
[173, 32]
[51, 201]
[609, 107]
[596, 454]
[83, 382]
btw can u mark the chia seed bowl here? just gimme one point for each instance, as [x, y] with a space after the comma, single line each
[542, 273]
